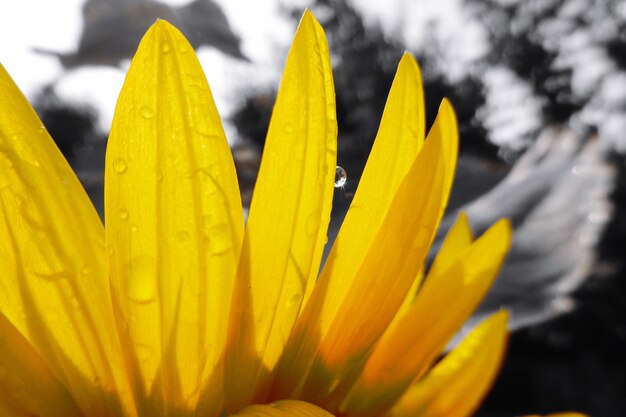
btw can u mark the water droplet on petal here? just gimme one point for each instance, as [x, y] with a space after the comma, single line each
[146, 112]
[340, 177]
[119, 165]
[219, 239]
[183, 236]
[294, 300]
[142, 280]
[144, 352]
[123, 214]
[288, 128]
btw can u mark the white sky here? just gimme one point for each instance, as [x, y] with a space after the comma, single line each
[266, 34]
[56, 26]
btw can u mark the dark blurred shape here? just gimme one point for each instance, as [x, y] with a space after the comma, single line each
[70, 126]
[557, 197]
[73, 129]
[113, 28]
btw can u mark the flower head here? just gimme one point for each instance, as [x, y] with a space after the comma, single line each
[174, 309]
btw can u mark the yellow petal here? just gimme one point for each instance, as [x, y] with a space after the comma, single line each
[27, 385]
[333, 335]
[54, 286]
[173, 220]
[457, 240]
[286, 408]
[397, 143]
[289, 216]
[456, 385]
[442, 305]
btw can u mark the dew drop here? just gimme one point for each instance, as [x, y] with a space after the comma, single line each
[133, 228]
[119, 165]
[183, 236]
[288, 128]
[146, 112]
[123, 214]
[340, 177]
[219, 240]
[294, 300]
[144, 352]
[142, 288]
[166, 48]
[54, 275]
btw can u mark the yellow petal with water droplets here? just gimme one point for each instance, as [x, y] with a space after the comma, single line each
[456, 385]
[174, 223]
[399, 138]
[445, 301]
[289, 215]
[286, 408]
[27, 385]
[331, 340]
[54, 286]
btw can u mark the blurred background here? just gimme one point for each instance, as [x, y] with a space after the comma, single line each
[539, 87]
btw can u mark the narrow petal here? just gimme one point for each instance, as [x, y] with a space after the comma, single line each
[333, 334]
[442, 305]
[174, 222]
[54, 287]
[456, 386]
[399, 139]
[286, 408]
[289, 216]
[457, 240]
[27, 385]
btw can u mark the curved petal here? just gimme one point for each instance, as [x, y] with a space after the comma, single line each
[54, 287]
[331, 339]
[289, 216]
[287, 408]
[27, 385]
[440, 308]
[399, 139]
[174, 222]
[458, 239]
[456, 385]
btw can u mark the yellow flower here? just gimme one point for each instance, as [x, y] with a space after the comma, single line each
[174, 310]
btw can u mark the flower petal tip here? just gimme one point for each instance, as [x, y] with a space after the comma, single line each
[505, 229]
[308, 18]
[501, 318]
